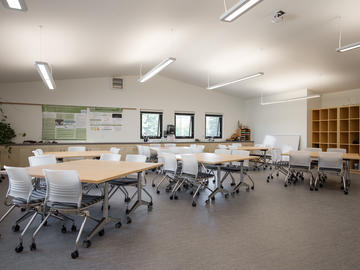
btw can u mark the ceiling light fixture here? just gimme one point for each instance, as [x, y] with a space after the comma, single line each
[46, 74]
[15, 4]
[346, 47]
[237, 10]
[288, 100]
[157, 69]
[239, 80]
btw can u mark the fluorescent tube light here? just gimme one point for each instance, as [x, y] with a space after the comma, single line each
[238, 9]
[239, 80]
[15, 4]
[288, 100]
[348, 47]
[45, 73]
[157, 69]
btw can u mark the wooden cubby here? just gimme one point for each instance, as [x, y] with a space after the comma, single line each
[337, 128]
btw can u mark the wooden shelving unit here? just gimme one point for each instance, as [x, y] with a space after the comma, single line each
[244, 134]
[337, 128]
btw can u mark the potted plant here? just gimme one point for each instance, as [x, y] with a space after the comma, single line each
[6, 131]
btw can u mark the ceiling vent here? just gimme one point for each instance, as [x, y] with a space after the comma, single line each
[278, 16]
[117, 83]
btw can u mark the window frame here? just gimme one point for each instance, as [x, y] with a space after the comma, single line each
[220, 116]
[161, 124]
[192, 126]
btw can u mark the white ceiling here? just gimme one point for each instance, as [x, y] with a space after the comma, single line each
[93, 38]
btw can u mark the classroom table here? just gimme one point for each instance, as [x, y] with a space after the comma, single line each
[218, 160]
[70, 154]
[263, 149]
[347, 157]
[101, 172]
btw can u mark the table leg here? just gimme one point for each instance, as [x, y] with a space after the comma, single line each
[347, 176]
[219, 187]
[236, 188]
[106, 218]
[139, 201]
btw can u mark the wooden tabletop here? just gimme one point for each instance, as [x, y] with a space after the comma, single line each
[67, 154]
[212, 158]
[96, 171]
[347, 156]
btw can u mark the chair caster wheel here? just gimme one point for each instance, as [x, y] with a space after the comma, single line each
[214, 181]
[73, 228]
[277, 175]
[151, 203]
[45, 224]
[192, 193]
[86, 243]
[74, 254]
[226, 196]
[158, 192]
[176, 197]
[33, 247]
[23, 209]
[118, 225]
[311, 189]
[285, 185]
[63, 229]
[213, 198]
[171, 197]
[102, 207]
[128, 220]
[222, 186]
[193, 204]
[149, 207]
[15, 228]
[346, 192]
[127, 199]
[101, 233]
[207, 201]
[153, 185]
[267, 180]
[316, 189]
[321, 185]
[237, 191]
[19, 248]
[127, 211]
[272, 177]
[232, 184]
[252, 187]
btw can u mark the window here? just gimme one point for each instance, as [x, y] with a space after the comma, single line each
[213, 126]
[184, 125]
[151, 125]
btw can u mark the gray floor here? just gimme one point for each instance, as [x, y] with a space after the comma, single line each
[272, 227]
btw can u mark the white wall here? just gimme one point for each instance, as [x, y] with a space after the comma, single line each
[342, 98]
[159, 93]
[277, 119]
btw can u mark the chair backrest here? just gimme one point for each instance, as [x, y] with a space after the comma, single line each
[146, 151]
[135, 158]
[76, 148]
[114, 150]
[241, 153]
[299, 159]
[276, 155]
[170, 144]
[20, 183]
[237, 144]
[313, 149]
[233, 147]
[222, 151]
[157, 145]
[38, 152]
[193, 145]
[112, 157]
[170, 162]
[222, 146]
[198, 149]
[337, 150]
[140, 149]
[41, 160]
[180, 150]
[330, 160]
[63, 187]
[190, 165]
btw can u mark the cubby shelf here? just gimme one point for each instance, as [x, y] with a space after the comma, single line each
[337, 128]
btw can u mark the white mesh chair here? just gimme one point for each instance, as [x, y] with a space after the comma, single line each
[222, 146]
[22, 194]
[237, 144]
[233, 147]
[38, 152]
[210, 169]
[64, 195]
[146, 152]
[191, 174]
[170, 144]
[299, 162]
[277, 164]
[313, 149]
[155, 145]
[237, 167]
[337, 150]
[197, 148]
[330, 162]
[110, 157]
[130, 180]
[114, 150]
[76, 149]
[41, 160]
[170, 169]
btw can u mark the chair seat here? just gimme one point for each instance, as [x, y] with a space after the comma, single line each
[37, 196]
[126, 181]
[87, 200]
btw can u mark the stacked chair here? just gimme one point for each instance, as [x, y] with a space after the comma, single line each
[170, 170]
[299, 163]
[278, 164]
